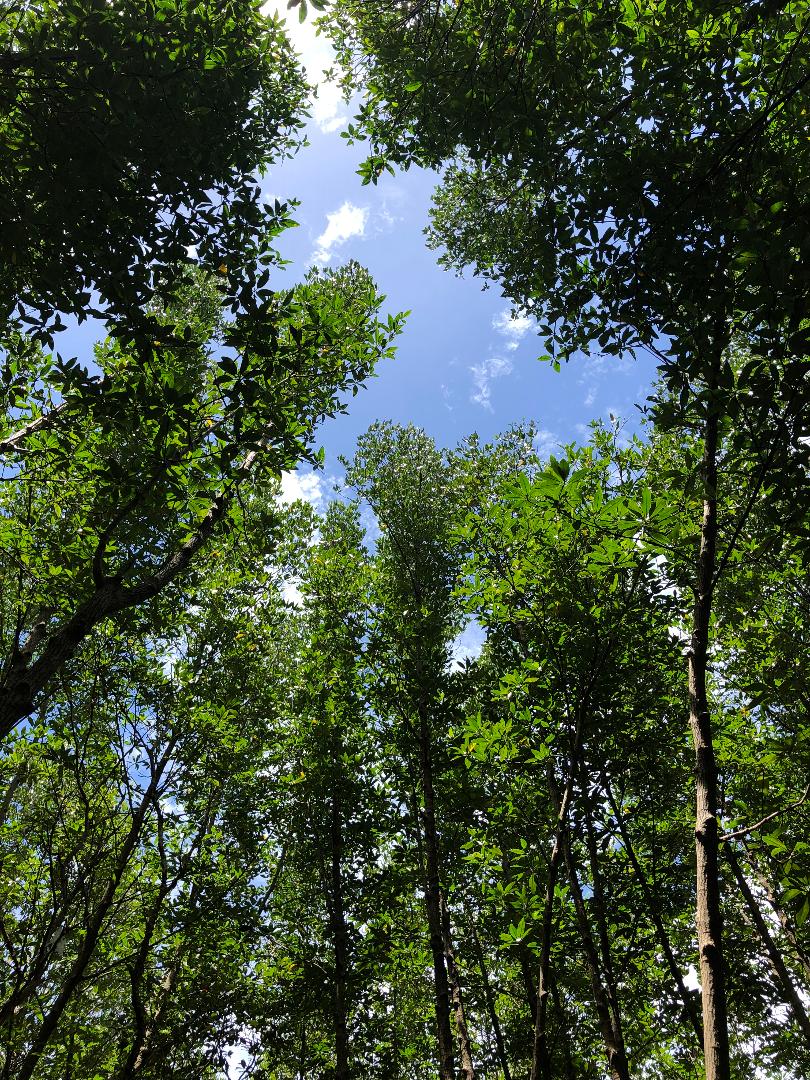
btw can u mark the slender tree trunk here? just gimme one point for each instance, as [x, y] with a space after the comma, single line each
[564, 1032]
[774, 955]
[599, 908]
[784, 920]
[340, 938]
[145, 1028]
[609, 1018]
[454, 981]
[489, 1001]
[541, 1060]
[434, 904]
[709, 915]
[142, 1052]
[663, 938]
[526, 959]
[78, 969]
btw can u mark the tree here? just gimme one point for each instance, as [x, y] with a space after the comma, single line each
[401, 475]
[113, 491]
[622, 173]
[130, 132]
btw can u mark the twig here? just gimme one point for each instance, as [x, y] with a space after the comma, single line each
[752, 828]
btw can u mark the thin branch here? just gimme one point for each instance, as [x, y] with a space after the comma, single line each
[758, 825]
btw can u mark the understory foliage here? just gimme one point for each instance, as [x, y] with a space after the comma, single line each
[278, 822]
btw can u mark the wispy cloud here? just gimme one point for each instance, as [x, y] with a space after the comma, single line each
[546, 442]
[341, 225]
[317, 55]
[513, 325]
[483, 376]
[306, 486]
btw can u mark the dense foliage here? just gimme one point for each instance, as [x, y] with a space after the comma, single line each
[496, 766]
[130, 131]
[279, 816]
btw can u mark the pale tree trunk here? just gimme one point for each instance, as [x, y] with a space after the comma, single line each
[709, 915]
[454, 981]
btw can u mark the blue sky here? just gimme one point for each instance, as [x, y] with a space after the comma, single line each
[463, 364]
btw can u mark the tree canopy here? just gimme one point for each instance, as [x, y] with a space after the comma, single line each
[130, 132]
[264, 810]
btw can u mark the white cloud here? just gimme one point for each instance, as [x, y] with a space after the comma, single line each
[513, 325]
[468, 644]
[341, 225]
[546, 442]
[308, 486]
[483, 375]
[317, 55]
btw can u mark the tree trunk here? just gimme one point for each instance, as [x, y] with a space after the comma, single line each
[771, 948]
[489, 1001]
[541, 1060]
[607, 1012]
[784, 920]
[433, 903]
[454, 981]
[709, 915]
[564, 1033]
[609, 1018]
[598, 905]
[663, 938]
[78, 970]
[340, 939]
[24, 678]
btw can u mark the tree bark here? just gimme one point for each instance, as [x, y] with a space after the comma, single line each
[709, 914]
